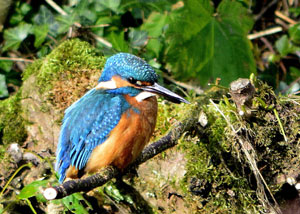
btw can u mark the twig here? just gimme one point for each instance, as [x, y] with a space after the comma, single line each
[282, 23]
[56, 7]
[261, 13]
[268, 44]
[96, 26]
[16, 59]
[265, 32]
[91, 182]
[285, 18]
[101, 40]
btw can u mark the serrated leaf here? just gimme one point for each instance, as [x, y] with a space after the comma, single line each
[14, 36]
[205, 45]
[3, 87]
[31, 189]
[40, 32]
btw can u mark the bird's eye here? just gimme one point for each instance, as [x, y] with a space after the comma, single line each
[131, 80]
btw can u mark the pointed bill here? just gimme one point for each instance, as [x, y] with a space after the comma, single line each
[169, 95]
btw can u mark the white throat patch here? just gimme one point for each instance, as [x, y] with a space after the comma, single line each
[143, 95]
[111, 84]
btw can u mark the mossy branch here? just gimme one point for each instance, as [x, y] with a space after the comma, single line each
[106, 174]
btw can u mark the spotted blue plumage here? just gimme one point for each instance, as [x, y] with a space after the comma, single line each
[88, 122]
[127, 65]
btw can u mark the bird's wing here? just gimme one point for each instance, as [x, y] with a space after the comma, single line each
[87, 124]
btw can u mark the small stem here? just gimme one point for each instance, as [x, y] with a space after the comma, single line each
[16, 59]
[265, 33]
[30, 205]
[12, 177]
[280, 124]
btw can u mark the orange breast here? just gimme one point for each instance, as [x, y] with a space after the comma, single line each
[128, 138]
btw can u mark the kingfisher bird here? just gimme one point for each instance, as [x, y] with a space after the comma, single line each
[111, 123]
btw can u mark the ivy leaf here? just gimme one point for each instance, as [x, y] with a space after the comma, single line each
[14, 36]
[46, 17]
[65, 22]
[32, 189]
[3, 87]
[213, 44]
[40, 32]
[22, 9]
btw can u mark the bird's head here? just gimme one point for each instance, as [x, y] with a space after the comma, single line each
[128, 74]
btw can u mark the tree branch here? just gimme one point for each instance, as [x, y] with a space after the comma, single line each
[106, 174]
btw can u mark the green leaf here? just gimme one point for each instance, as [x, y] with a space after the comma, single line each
[65, 22]
[14, 36]
[25, 8]
[284, 46]
[154, 45]
[118, 42]
[46, 17]
[294, 33]
[138, 37]
[21, 10]
[73, 204]
[40, 32]
[295, 11]
[112, 5]
[6, 65]
[3, 87]
[155, 24]
[205, 45]
[32, 189]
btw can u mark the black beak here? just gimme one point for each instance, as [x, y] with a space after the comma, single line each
[169, 95]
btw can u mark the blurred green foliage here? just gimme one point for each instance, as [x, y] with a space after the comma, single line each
[198, 40]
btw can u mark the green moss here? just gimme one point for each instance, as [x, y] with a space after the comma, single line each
[219, 178]
[12, 125]
[72, 55]
[32, 68]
